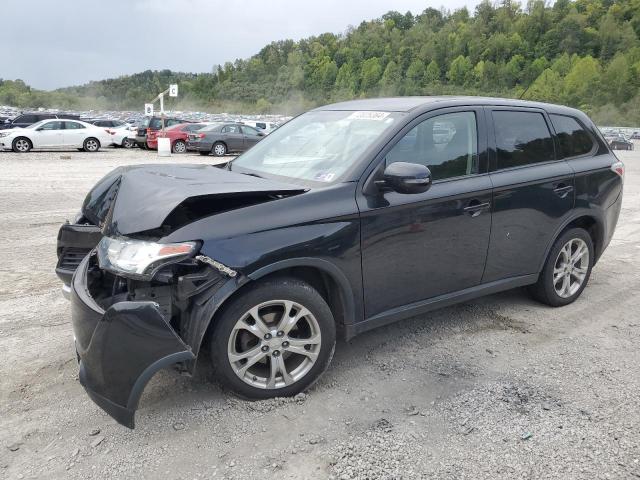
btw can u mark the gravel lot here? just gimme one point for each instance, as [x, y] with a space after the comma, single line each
[501, 387]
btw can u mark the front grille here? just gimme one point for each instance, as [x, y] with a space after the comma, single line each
[71, 258]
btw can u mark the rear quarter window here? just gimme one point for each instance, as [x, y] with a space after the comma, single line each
[522, 138]
[574, 140]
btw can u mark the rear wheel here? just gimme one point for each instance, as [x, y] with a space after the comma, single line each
[179, 147]
[275, 340]
[91, 145]
[567, 269]
[22, 145]
[219, 149]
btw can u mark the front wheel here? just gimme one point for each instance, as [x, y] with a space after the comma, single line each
[274, 340]
[128, 143]
[219, 149]
[22, 145]
[91, 145]
[567, 269]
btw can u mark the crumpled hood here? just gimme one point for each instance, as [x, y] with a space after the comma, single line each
[139, 198]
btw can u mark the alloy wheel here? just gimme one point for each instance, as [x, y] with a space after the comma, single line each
[91, 145]
[274, 344]
[571, 267]
[22, 145]
[219, 149]
[180, 147]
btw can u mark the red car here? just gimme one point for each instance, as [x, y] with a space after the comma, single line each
[177, 133]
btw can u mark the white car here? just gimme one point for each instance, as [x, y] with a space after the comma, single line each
[55, 134]
[122, 134]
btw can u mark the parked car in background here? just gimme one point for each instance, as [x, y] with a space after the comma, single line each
[620, 142]
[150, 124]
[178, 135]
[25, 119]
[122, 134]
[372, 218]
[266, 127]
[55, 134]
[635, 136]
[221, 139]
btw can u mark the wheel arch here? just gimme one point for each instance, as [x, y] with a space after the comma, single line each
[330, 282]
[589, 222]
[324, 276]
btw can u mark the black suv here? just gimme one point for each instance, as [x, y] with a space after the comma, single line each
[346, 218]
[25, 119]
[153, 123]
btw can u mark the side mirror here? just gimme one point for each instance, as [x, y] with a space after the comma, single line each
[406, 178]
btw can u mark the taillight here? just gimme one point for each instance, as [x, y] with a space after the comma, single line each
[618, 167]
[148, 131]
[201, 135]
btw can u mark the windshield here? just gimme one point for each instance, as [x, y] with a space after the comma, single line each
[318, 146]
[38, 124]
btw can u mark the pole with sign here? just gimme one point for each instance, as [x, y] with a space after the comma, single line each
[164, 144]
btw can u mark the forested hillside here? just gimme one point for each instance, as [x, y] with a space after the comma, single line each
[584, 53]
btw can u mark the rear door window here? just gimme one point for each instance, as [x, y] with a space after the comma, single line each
[574, 140]
[73, 125]
[522, 138]
[231, 129]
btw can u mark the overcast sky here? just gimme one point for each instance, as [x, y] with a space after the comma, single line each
[58, 43]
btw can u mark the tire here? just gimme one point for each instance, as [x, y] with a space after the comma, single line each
[22, 145]
[576, 272]
[179, 147]
[91, 145]
[263, 378]
[219, 149]
[128, 143]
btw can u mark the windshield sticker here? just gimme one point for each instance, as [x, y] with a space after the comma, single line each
[324, 176]
[368, 115]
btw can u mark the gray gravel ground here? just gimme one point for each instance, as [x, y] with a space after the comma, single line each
[501, 387]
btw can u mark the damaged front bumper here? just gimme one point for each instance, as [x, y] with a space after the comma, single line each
[122, 343]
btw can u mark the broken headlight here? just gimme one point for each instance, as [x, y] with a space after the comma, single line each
[140, 259]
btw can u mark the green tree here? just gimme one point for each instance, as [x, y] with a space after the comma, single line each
[371, 73]
[432, 73]
[391, 78]
[459, 71]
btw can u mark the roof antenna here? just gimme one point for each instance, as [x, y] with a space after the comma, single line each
[525, 91]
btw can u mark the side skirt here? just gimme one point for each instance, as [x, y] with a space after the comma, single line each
[423, 306]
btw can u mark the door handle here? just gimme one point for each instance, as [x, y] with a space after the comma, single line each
[562, 189]
[475, 207]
